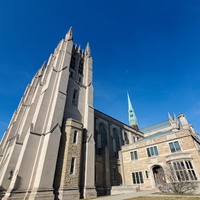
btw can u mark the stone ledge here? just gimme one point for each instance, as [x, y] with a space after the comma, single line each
[124, 189]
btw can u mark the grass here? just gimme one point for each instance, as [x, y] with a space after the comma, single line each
[164, 198]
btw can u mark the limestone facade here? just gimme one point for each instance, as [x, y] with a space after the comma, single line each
[57, 146]
[38, 158]
[154, 155]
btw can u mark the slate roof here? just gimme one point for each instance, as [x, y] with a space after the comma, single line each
[156, 135]
[155, 126]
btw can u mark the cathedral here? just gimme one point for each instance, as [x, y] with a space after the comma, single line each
[59, 147]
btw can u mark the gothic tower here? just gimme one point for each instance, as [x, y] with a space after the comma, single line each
[55, 113]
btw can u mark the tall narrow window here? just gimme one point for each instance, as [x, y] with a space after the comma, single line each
[103, 133]
[75, 97]
[80, 68]
[101, 139]
[114, 174]
[75, 137]
[72, 166]
[147, 175]
[80, 80]
[73, 62]
[116, 144]
[71, 74]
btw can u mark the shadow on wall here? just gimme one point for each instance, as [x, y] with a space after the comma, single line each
[106, 175]
[17, 183]
[60, 159]
[2, 192]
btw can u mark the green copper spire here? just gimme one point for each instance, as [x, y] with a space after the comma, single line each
[131, 114]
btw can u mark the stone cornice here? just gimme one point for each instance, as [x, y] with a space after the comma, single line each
[178, 156]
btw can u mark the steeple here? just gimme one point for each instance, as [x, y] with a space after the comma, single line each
[69, 35]
[131, 115]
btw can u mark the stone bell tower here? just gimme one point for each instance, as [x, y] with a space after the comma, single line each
[57, 105]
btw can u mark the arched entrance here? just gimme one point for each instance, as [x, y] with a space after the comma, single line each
[159, 175]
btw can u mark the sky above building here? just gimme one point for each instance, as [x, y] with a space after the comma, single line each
[150, 48]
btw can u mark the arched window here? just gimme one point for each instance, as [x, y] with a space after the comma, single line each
[80, 67]
[101, 139]
[116, 143]
[103, 134]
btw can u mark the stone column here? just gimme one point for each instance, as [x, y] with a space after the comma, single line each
[89, 181]
[122, 166]
[89, 187]
[130, 137]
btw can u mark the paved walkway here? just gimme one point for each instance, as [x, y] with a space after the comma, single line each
[136, 194]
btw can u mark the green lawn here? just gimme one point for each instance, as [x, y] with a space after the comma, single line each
[165, 198]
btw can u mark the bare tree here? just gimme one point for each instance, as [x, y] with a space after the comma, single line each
[176, 183]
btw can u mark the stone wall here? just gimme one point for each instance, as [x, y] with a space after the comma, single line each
[67, 178]
[145, 164]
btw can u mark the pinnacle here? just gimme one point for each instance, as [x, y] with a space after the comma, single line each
[170, 117]
[175, 118]
[87, 50]
[69, 35]
[174, 115]
[79, 48]
[44, 64]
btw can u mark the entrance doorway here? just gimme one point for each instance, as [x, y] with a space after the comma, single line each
[159, 175]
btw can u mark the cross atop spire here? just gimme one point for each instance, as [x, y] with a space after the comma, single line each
[69, 35]
[131, 114]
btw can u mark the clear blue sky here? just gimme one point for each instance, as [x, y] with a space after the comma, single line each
[149, 47]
